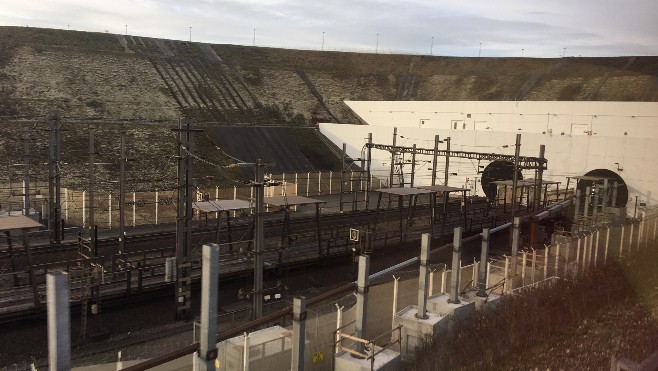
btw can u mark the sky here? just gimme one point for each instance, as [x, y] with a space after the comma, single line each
[471, 28]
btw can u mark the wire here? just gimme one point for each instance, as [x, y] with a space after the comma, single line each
[221, 167]
[223, 152]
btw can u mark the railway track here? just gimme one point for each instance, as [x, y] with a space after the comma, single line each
[142, 271]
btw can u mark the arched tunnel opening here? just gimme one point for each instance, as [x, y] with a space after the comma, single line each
[622, 189]
[497, 170]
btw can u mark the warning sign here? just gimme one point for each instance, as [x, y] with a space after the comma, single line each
[317, 357]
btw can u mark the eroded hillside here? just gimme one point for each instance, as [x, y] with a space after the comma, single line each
[119, 77]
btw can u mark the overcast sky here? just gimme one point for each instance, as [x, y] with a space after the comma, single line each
[543, 28]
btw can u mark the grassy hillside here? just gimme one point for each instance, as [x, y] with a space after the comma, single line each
[130, 77]
[145, 85]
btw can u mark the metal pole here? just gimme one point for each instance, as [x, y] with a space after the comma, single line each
[430, 290]
[122, 194]
[456, 264]
[445, 182]
[621, 241]
[209, 291]
[298, 332]
[184, 222]
[361, 301]
[84, 209]
[259, 243]
[26, 169]
[435, 157]
[606, 194]
[342, 176]
[587, 199]
[54, 177]
[534, 266]
[390, 182]
[484, 257]
[523, 266]
[330, 181]
[515, 176]
[59, 328]
[413, 164]
[92, 184]
[134, 208]
[368, 169]
[607, 244]
[596, 247]
[245, 353]
[595, 204]
[339, 324]
[422, 278]
[540, 177]
[614, 194]
[109, 211]
[515, 243]
[395, 295]
[576, 211]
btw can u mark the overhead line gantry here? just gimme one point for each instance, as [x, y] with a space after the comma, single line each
[534, 163]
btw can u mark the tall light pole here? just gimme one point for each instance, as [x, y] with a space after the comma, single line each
[190, 33]
[322, 41]
[480, 51]
[522, 52]
[126, 30]
[564, 52]
[432, 46]
[377, 45]
[254, 42]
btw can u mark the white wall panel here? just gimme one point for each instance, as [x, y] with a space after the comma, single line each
[497, 124]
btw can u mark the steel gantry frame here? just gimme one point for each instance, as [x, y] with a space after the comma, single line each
[525, 163]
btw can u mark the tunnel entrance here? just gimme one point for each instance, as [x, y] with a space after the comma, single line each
[497, 170]
[622, 190]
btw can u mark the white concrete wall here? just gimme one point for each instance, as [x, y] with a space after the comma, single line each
[567, 155]
[636, 119]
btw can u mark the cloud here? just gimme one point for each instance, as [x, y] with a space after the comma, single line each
[541, 28]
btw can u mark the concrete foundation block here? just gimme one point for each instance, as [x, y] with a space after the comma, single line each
[416, 330]
[463, 311]
[387, 360]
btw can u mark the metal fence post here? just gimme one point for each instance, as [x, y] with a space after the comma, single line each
[630, 239]
[396, 281]
[533, 265]
[621, 242]
[607, 242]
[546, 253]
